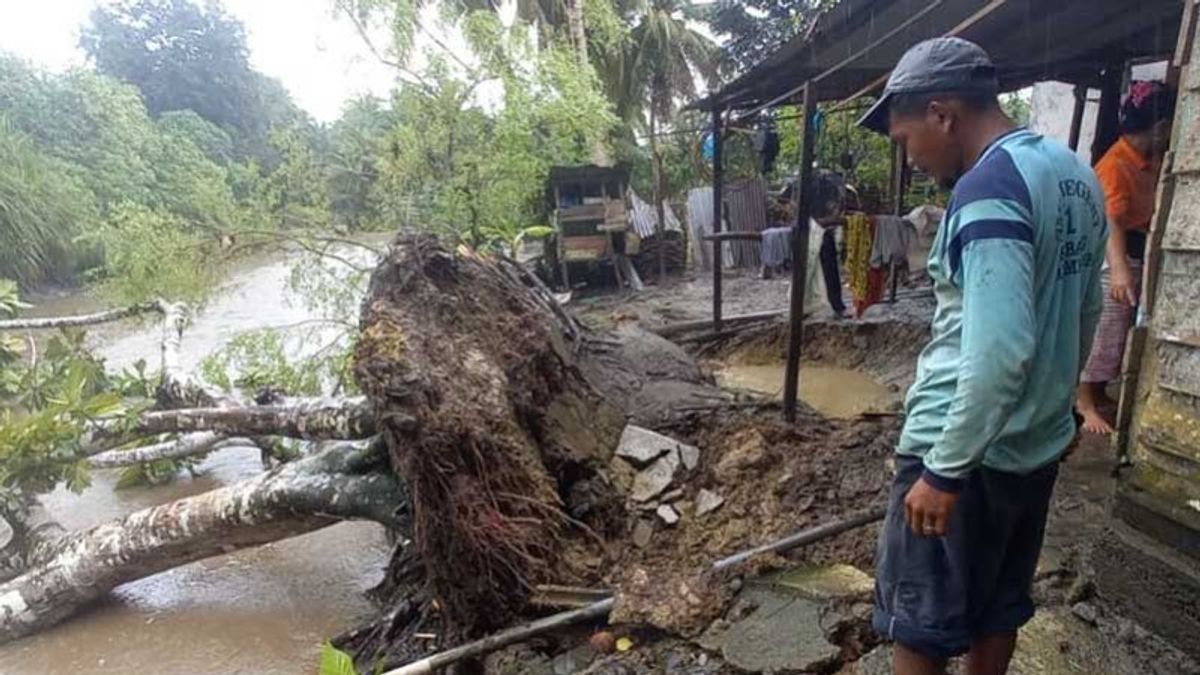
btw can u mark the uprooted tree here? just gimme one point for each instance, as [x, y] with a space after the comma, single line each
[486, 441]
[481, 439]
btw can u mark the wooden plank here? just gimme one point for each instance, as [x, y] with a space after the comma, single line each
[1077, 117]
[791, 383]
[734, 236]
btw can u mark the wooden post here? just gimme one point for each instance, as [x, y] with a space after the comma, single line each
[718, 206]
[1108, 121]
[791, 384]
[1077, 116]
[899, 183]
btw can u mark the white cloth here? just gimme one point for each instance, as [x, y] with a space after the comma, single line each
[776, 246]
[814, 283]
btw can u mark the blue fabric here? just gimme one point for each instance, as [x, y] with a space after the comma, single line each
[998, 178]
[986, 229]
[1016, 271]
[936, 594]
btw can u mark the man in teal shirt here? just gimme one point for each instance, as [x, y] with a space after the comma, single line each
[1016, 272]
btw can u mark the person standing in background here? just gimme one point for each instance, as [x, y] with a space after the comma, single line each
[1128, 173]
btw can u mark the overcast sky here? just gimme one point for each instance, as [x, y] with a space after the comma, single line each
[321, 61]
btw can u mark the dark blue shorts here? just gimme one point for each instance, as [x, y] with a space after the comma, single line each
[934, 594]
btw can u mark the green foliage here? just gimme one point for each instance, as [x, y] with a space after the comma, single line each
[184, 55]
[80, 159]
[294, 193]
[150, 254]
[42, 420]
[1017, 106]
[261, 359]
[455, 166]
[358, 141]
[335, 662]
[42, 207]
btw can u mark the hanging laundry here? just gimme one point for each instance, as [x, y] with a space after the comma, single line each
[776, 249]
[866, 283]
[858, 253]
[893, 236]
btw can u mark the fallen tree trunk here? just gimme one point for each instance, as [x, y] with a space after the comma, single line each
[300, 497]
[97, 318]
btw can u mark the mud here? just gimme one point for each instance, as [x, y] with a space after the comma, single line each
[834, 392]
[777, 478]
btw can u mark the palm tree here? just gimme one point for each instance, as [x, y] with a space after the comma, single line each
[662, 59]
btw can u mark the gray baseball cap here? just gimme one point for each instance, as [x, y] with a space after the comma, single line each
[944, 64]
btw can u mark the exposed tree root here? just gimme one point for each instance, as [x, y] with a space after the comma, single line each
[476, 386]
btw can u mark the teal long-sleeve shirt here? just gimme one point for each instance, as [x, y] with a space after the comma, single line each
[1016, 271]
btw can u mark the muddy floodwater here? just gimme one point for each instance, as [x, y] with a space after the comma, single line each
[834, 392]
[261, 611]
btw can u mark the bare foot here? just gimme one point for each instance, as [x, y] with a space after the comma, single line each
[1094, 422]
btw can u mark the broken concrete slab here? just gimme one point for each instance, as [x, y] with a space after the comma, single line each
[690, 456]
[876, 662]
[656, 478]
[668, 515]
[641, 447]
[707, 501]
[783, 633]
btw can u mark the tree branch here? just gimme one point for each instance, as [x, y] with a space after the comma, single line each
[106, 316]
[366, 38]
[296, 498]
[313, 420]
[185, 446]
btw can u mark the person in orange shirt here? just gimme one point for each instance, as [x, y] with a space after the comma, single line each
[1128, 172]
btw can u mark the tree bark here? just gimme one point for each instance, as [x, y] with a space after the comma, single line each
[184, 446]
[83, 319]
[313, 420]
[294, 499]
[578, 28]
[656, 161]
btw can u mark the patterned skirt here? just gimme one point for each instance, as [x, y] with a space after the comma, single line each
[1108, 347]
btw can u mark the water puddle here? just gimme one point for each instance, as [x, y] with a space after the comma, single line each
[834, 392]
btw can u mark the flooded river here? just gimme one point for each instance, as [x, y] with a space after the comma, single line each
[260, 611]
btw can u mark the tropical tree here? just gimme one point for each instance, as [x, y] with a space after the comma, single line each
[183, 56]
[665, 53]
[42, 208]
[753, 29]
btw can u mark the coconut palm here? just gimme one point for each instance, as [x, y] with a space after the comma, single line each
[658, 70]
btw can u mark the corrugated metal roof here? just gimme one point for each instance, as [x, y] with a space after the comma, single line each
[858, 42]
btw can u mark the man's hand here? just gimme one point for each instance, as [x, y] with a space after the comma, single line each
[1121, 285]
[928, 509]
